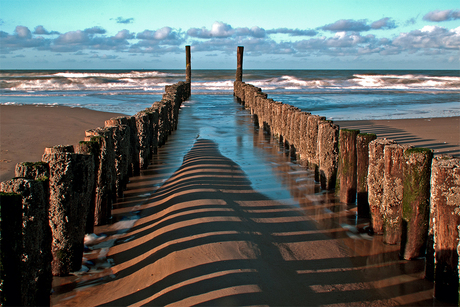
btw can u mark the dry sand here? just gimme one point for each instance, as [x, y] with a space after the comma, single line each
[25, 131]
[440, 134]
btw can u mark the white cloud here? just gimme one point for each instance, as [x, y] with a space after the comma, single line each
[445, 15]
[162, 33]
[95, 30]
[347, 25]
[384, 23]
[220, 29]
[123, 34]
[124, 20]
[293, 32]
[429, 37]
[223, 38]
[350, 25]
[23, 32]
[72, 37]
[42, 31]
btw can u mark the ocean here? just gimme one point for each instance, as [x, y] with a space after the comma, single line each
[336, 94]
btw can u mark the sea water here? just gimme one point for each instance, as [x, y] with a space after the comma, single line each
[336, 94]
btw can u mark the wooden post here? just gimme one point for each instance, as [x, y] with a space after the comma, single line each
[375, 182]
[362, 151]
[29, 236]
[328, 138]
[188, 69]
[239, 64]
[71, 185]
[416, 202]
[11, 243]
[346, 173]
[393, 192]
[445, 204]
[312, 143]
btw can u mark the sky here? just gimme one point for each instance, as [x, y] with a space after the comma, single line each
[282, 34]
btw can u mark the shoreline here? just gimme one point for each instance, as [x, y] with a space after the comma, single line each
[38, 127]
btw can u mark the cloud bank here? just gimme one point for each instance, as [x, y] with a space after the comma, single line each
[445, 15]
[345, 37]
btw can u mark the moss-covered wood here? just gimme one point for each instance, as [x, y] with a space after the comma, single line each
[416, 202]
[32, 170]
[347, 168]
[393, 192]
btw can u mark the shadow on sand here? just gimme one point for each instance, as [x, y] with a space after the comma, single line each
[205, 237]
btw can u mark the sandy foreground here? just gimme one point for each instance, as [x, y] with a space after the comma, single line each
[205, 237]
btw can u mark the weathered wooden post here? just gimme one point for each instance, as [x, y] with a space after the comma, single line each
[11, 249]
[346, 173]
[445, 221]
[91, 148]
[121, 134]
[375, 182]
[105, 176]
[311, 141]
[393, 192]
[28, 234]
[416, 202]
[362, 151]
[188, 69]
[239, 64]
[328, 138]
[71, 185]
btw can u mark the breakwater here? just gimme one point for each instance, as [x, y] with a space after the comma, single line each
[50, 205]
[411, 197]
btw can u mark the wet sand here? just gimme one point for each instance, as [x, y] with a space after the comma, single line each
[237, 222]
[25, 131]
[207, 238]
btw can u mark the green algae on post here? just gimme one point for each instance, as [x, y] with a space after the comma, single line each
[415, 203]
[346, 173]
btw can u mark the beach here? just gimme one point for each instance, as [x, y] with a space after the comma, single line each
[212, 231]
[25, 131]
[222, 215]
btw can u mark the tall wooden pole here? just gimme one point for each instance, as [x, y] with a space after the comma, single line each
[239, 64]
[188, 70]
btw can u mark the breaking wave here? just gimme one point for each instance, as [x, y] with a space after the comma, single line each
[138, 82]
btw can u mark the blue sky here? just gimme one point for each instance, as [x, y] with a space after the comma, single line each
[289, 34]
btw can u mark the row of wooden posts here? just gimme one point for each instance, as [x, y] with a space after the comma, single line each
[50, 205]
[412, 199]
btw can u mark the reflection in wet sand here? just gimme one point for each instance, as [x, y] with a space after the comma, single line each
[273, 173]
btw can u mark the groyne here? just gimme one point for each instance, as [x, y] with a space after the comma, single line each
[50, 205]
[412, 199]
